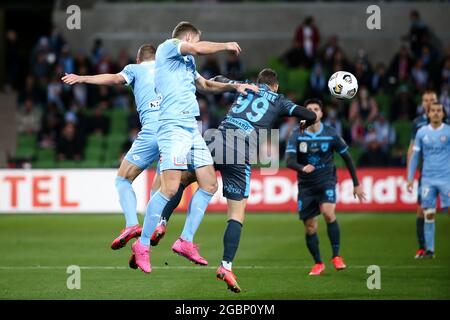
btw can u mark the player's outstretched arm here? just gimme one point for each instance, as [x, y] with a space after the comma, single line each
[304, 114]
[99, 79]
[357, 189]
[206, 47]
[210, 86]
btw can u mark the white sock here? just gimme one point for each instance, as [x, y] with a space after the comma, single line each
[227, 265]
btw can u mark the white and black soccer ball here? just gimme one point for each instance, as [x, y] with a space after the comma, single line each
[343, 85]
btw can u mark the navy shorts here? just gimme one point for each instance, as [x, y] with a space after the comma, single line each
[232, 161]
[311, 197]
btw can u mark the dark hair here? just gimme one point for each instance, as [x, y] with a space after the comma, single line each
[267, 76]
[146, 52]
[184, 27]
[429, 92]
[313, 101]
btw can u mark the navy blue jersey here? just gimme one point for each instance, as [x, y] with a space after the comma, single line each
[318, 150]
[258, 110]
[418, 123]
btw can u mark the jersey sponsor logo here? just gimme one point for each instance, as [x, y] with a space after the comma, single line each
[303, 147]
[324, 146]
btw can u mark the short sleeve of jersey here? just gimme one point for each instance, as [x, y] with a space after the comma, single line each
[339, 144]
[286, 106]
[128, 73]
[171, 48]
[292, 142]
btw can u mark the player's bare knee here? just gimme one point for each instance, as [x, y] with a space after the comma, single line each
[429, 214]
[310, 226]
[329, 217]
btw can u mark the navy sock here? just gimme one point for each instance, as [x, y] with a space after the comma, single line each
[420, 232]
[334, 235]
[312, 242]
[231, 240]
[173, 203]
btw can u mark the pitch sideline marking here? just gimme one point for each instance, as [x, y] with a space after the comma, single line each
[201, 267]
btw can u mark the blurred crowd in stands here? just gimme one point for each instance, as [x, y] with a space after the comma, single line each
[376, 123]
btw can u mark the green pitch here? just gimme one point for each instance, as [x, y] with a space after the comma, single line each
[272, 262]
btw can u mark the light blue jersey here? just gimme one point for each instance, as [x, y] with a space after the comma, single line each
[434, 144]
[435, 147]
[175, 76]
[141, 78]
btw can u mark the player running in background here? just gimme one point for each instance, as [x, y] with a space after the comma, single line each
[310, 153]
[144, 151]
[428, 98]
[433, 142]
[244, 121]
[179, 139]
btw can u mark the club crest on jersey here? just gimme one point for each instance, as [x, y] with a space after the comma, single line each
[443, 138]
[324, 146]
[303, 147]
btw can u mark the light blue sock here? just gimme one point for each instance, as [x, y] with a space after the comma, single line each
[429, 234]
[127, 199]
[154, 209]
[196, 211]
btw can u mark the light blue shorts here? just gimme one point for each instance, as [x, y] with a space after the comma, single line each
[181, 144]
[144, 150]
[429, 191]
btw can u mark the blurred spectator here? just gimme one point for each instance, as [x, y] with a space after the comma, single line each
[233, 67]
[307, 38]
[66, 60]
[317, 81]
[379, 81]
[401, 65]
[105, 64]
[385, 134]
[51, 127]
[294, 57]
[332, 120]
[208, 120]
[211, 68]
[357, 132]
[54, 91]
[419, 75]
[123, 60]
[98, 123]
[70, 144]
[97, 51]
[445, 73]
[444, 99]
[403, 106]
[56, 41]
[329, 50]
[373, 156]
[418, 33]
[31, 91]
[362, 73]
[363, 106]
[28, 118]
[12, 60]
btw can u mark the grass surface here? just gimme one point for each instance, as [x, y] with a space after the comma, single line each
[272, 261]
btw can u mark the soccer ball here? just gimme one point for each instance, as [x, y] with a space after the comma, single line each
[343, 85]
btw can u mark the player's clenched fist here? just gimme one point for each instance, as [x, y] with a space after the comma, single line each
[308, 168]
[234, 47]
